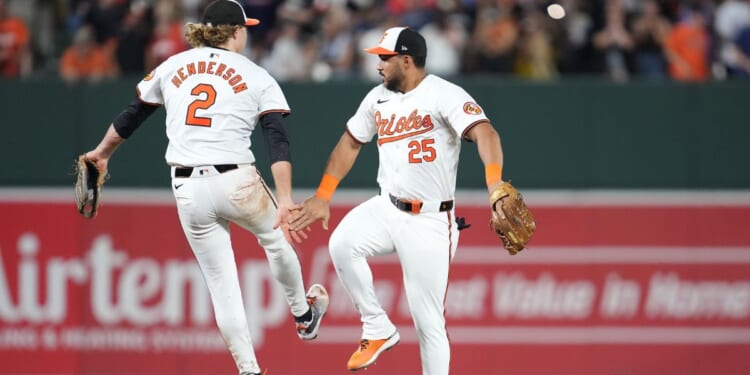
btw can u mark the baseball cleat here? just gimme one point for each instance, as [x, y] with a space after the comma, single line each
[369, 350]
[317, 298]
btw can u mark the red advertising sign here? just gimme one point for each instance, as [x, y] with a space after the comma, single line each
[615, 283]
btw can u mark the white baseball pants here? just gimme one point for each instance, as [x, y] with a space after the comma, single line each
[425, 244]
[206, 203]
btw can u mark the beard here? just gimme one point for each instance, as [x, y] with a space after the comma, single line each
[394, 83]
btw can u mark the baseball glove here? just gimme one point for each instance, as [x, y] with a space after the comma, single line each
[88, 186]
[511, 219]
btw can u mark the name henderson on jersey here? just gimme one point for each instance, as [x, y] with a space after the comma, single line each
[203, 67]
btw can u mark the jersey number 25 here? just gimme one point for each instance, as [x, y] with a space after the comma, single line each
[422, 151]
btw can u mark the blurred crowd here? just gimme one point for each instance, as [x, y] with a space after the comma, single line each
[322, 40]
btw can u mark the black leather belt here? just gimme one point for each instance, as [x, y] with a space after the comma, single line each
[416, 206]
[188, 171]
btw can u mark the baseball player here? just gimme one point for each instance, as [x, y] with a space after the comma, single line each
[419, 121]
[214, 98]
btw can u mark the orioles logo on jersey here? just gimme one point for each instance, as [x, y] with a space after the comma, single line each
[149, 76]
[390, 129]
[472, 108]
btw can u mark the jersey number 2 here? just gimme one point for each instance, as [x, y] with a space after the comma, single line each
[205, 103]
[421, 151]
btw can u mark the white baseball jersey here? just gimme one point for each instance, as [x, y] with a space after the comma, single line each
[213, 98]
[419, 136]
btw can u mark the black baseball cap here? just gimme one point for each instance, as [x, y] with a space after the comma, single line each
[227, 12]
[400, 41]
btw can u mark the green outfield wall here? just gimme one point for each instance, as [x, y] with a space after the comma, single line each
[578, 134]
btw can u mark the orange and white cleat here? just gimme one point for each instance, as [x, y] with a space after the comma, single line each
[369, 350]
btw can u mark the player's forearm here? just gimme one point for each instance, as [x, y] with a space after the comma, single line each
[109, 143]
[339, 164]
[343, 157]
[488, 143]
[490, 152]
[282, 178]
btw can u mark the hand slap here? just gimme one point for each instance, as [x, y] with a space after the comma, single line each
[282, 215]
[313, 209]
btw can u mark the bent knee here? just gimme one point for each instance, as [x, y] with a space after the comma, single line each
[342, 247]
[337, 244]
[272, 241]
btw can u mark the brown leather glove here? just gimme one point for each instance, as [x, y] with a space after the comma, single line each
[511, 219]
[88, 186]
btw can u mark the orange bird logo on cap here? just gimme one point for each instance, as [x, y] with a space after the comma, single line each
[385, 34]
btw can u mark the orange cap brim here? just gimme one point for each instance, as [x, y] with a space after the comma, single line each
[380, 51]
[251, 22]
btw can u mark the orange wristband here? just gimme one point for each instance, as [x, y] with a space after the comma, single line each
[493, 173]
[327, 186]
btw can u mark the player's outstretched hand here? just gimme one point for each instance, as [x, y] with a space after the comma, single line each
[282, 219]
[310, 211]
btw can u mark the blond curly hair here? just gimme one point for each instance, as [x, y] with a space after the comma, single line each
[201, 35]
